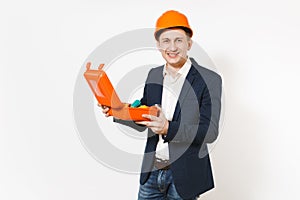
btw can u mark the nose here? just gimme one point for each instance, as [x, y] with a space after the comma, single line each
[172, 46]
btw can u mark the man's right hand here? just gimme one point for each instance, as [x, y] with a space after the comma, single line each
[105, 110]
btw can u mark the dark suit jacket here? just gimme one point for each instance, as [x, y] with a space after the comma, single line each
[194, 124]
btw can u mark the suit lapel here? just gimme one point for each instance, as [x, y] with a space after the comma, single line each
[156, 84]
[159, 90]
[187, 85]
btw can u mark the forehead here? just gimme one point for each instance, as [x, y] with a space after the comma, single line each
[172, 33]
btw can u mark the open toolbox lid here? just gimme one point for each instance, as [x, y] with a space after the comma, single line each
[102, 87]
[107, 96]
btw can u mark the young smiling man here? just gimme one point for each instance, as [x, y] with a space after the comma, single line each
[176, 162]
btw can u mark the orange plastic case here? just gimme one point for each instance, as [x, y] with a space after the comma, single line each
[107, 96]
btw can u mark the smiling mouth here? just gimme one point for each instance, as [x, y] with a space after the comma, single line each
[173, 55]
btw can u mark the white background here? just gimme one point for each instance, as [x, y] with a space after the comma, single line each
[254, 44]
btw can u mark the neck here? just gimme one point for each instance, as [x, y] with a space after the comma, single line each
[174, 68]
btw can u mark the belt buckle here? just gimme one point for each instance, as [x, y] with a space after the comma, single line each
[161, 164]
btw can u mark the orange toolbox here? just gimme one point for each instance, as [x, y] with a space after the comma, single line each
[107, 96]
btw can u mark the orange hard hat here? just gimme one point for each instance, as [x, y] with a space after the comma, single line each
[172, 19]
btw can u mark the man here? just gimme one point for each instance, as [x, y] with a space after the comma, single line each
[176, 162]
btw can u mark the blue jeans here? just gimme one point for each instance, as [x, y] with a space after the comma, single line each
[159, 186]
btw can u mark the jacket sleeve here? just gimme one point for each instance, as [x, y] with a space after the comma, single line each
[131, 124]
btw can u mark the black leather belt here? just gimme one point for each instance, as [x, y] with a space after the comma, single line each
[161, 164]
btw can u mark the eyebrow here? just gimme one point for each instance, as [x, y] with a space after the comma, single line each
[169, 38]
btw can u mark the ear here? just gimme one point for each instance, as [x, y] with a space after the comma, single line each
[190, 43]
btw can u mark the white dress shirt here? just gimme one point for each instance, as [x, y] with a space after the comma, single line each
[171, 89]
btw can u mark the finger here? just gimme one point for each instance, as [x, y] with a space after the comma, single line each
[151, 117]
[105, 110]
[152, 124]
[102, 106]
[149, 124]
[158, 107]
[156, 130]
[142, 122]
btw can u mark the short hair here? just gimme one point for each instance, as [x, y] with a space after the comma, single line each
[186, 30]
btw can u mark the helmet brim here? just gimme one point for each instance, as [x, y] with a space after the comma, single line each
[187, 30]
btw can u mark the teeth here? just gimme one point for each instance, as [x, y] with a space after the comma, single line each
[172, 54]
